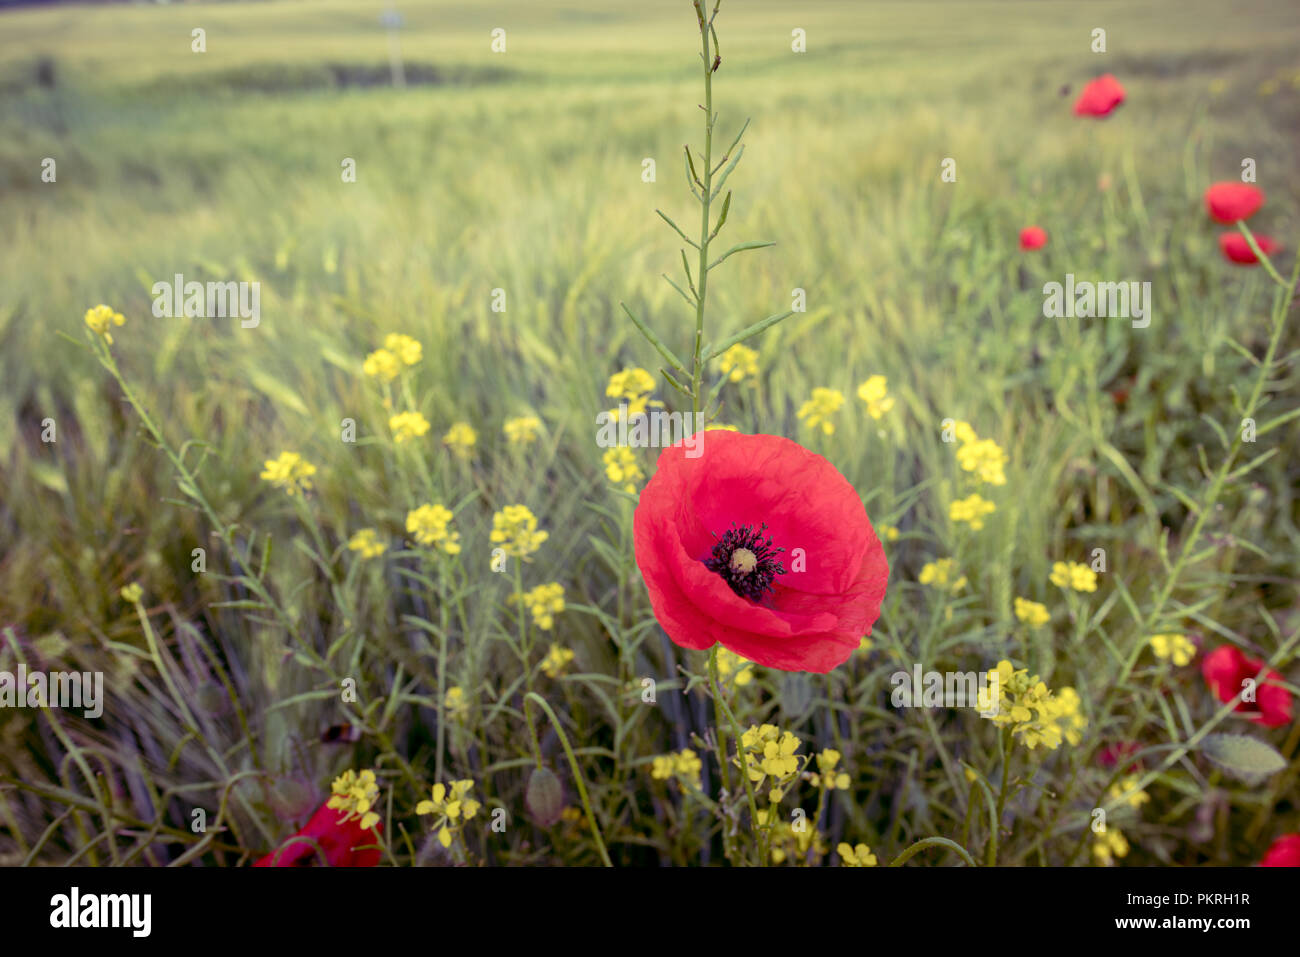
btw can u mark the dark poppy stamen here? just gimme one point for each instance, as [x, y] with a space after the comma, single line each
[746, 560]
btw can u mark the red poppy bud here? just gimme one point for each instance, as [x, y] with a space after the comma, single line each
[1032, 237]
[1229, 202]
[1235, 248]
[1100, 97]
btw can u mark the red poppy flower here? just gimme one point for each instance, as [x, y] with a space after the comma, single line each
[1235, 248]
[1227, 667]
[1284, 852]
[762, 546]
[1113, 754]
[344, 843]
[1032, 237]
[1229, 202]
[1100, 97]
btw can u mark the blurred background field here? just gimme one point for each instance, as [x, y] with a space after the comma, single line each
[522, 171]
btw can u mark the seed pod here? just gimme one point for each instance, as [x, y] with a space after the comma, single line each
[544, 797]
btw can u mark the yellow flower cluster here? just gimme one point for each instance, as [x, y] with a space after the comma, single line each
[1128, 792]
[290, 471]
[984, 457]
[544, 601]
[1033, 712]
[971, 509]
[798, 844]
[818, 410]
[730, 663]
[1109, 845]
[408, 425]
[1032, 613]
[460, 438]
[453, 806]
[355, 794]
[874, 393]
[1073, 575]
[431, 525]
[132, 593]
[386, 364]
[632, 385]
[622, 468]
[770, 753]
[366, 541]
[556, 660]
[522, 430]
[514, 529]
[859, 855]
[455, 704]
[739, 363]
[101, 318]
[1176, 648]
[826, 776]
[682, 766]
[942, 574]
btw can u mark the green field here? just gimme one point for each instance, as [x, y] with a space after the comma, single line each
[522, 171]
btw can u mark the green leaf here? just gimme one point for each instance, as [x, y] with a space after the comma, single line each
[746, 333]
[739, 248]
[1248, 759]
[662, 349]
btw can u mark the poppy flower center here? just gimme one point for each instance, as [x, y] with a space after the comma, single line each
[747, 561]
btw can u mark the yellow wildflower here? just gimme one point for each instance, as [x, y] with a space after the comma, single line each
[942, 575]
[683, 766]
[355, 794]
[452, 805]
[382, 365]
[730, 663]
[1033, 712]
[1109, 845]
[632, 385]
[455, 704]
[408, 425]
[826, 776]
[1031, 612]
[407, 350]
[556, 660]
[522, 430]
[460, 438]
[132, 593]
[514, 528]
[858, 855]
[545, 602]
[818, 410]
[1073, 575]
[971, 509]
[873, 393]
[366, 541]
[1173, 647]
[622, 468]
[431, 525]
[290, 471]
[1127, 791]
[101, 318]
[739, 363]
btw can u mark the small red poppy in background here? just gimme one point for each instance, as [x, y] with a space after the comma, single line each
[343, 842]
[1284, 852]
[1113, 754]
[1100, 97]
[1235, 248]
[1227, 667]
[1230, 201]
[760, 545]
[1032, 237]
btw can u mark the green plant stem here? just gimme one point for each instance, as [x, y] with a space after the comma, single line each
[573, 766]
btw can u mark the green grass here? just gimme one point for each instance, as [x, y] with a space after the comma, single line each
[522, 171]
